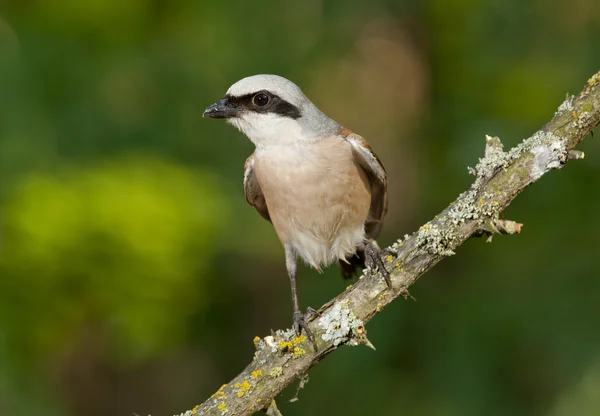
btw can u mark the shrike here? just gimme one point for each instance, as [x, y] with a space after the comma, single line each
[318, 183]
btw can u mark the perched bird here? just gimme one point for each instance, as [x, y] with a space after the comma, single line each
[318, 183]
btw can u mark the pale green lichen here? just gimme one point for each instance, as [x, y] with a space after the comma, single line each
[536, 155]
[186, 413]
[276, 372]
[435, 240]
[287, 334]
[494, 159]
[399, 244]
[546, 157]
[582, 119]
[566, 105]
[547, 152]
[547, 149]
[339, 324]
[539, 139]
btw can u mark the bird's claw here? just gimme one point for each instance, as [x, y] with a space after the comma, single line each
[310, 311]
[373, 261]
[301, 325]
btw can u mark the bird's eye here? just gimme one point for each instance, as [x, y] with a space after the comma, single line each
[260, 99]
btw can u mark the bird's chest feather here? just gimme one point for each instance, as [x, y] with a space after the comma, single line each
[316, 195]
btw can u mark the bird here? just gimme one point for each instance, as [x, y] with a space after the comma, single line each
[320, 185]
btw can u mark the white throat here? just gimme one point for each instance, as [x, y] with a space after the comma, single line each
[271, 129]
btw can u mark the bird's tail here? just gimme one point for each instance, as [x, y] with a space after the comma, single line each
[353, 265]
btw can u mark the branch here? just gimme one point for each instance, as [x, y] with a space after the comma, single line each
[499, 177]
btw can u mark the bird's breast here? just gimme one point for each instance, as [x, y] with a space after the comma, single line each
[318, 197]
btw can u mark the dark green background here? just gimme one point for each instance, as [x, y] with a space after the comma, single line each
[133, 276]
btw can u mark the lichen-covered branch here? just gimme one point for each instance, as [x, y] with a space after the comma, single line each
[500, 176]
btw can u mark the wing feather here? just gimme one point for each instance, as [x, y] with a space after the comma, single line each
[252, 191]
[374, 169]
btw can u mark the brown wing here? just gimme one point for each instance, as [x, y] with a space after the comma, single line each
[372, 166]
[252, 191]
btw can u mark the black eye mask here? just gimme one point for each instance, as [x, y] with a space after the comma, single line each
[272, 103]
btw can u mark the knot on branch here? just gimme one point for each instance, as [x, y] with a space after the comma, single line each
[497, 226]
[575, 155]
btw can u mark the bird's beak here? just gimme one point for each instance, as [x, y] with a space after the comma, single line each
[222, 109]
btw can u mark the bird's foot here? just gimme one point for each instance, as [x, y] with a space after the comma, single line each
[301, 325]
[373, 261]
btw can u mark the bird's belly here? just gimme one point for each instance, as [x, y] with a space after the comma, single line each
[317, 204]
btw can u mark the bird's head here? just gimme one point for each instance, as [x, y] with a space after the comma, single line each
[270, 109]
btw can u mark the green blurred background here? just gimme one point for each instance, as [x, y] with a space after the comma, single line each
[133, 276]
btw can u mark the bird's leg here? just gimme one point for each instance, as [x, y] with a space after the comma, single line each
[299, 318]
[373, 261]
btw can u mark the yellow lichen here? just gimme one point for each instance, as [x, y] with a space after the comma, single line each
[222, 407]
[389, 258]
[256, 374]
[237, 385]
[244, 387]
[382, 295]
[348, 287]
[299, 339]
[256, 340]
[591, 82]
[218, 391]
[220, 395]
[378, 307]
[298, 352]
[285, 345]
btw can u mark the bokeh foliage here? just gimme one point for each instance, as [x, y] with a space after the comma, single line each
[133, 276]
